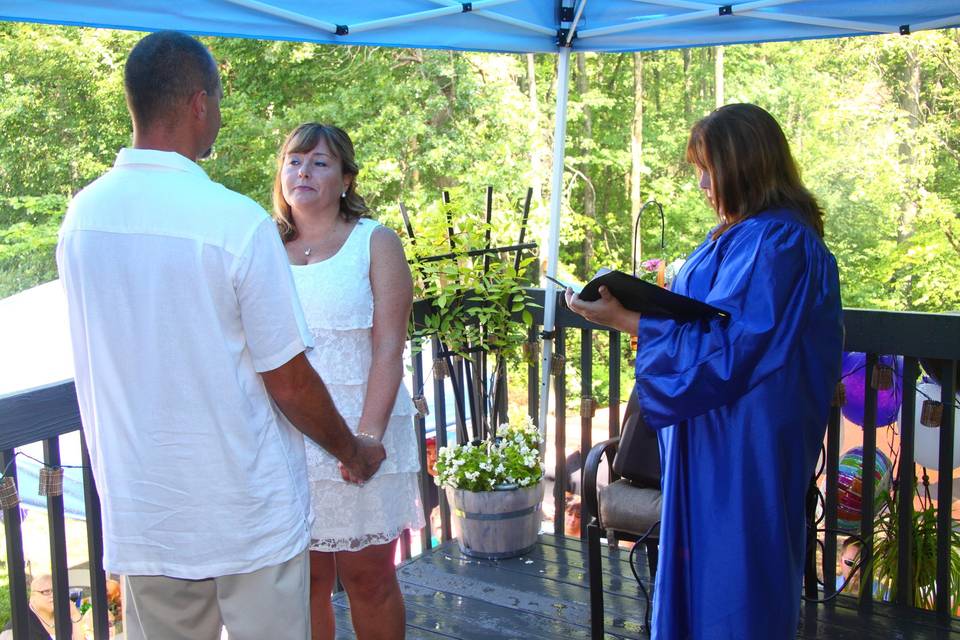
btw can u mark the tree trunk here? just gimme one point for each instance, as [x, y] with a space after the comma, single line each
[636, 142]
[909, 100]
[589, 195]
[718, 77]
[536, 148]
[910, 104]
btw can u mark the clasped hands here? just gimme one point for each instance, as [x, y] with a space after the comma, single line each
[606, 311]
[367, 459]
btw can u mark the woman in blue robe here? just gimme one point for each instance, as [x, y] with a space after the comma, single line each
[740, 404]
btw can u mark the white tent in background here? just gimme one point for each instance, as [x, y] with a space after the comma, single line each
[542, 26]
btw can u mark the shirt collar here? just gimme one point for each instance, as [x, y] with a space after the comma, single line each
[165, 159]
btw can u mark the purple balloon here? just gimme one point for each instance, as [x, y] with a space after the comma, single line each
[854, 379]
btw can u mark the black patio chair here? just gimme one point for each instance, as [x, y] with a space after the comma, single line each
[628, 508]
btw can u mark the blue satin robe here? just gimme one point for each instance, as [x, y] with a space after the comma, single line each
[741, 408]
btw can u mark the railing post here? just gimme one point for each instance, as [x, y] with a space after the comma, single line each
[614, 378]
[98, 578]
[906, 484]
[586, 414]
[420, 424]
[533, 376]
[948, 396]
[832, 465]
[868, 490]
[15, 562]
[58, 545]
[440, 429]
[560, 434]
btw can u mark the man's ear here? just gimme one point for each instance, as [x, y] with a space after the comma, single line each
[198, 105]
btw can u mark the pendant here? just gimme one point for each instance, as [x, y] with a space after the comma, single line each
[306, 251]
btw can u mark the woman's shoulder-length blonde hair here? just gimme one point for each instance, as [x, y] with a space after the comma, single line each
[304, 138]
[751, 169]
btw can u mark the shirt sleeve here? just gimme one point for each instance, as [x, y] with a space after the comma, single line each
[769, 282]
[270, 310]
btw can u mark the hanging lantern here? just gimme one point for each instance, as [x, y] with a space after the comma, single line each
[588, 407]
[931, 414]
[882, 378]
[926, 433]
[440, 368]
[420, 402]
[9, 498]
[557, 362]
[531, 352]
[51, 481]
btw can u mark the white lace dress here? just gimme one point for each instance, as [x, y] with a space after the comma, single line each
[338, 304]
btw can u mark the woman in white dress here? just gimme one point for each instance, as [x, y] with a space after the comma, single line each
[356, 291]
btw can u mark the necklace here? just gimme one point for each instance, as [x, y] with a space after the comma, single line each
[307, 251]
[52, 623]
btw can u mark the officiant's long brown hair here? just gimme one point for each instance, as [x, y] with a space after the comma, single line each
[751, 169]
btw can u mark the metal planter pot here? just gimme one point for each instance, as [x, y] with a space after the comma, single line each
[496, 524]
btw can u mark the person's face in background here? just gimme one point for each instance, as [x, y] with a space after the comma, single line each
[41, 595]
[849, 559]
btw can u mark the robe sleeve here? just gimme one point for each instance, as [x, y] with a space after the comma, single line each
[767, 280]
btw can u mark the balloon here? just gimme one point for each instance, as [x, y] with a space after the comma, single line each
[850, 486]
[854, 377]
[926, 440]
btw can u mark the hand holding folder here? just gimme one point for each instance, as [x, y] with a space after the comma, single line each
[643, 297]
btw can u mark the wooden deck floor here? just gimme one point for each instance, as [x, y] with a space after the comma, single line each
[544, 595]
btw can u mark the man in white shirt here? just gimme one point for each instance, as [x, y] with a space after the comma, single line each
[188, 344]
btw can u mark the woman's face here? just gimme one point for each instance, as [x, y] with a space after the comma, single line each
[313, 179]
[705, 182]
[41, 594]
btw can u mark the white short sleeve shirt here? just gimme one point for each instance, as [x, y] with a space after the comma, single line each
[179, 292]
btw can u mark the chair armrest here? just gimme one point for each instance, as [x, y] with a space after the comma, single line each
[590, 468]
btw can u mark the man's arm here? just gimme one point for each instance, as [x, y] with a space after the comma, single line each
[303, 398]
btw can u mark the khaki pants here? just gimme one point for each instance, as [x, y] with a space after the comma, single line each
[273, 602]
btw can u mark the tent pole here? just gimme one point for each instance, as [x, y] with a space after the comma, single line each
[553, 241]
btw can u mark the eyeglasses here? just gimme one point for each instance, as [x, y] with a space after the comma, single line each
[849, 562]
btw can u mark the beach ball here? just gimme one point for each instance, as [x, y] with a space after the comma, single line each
[926, 440]
[888, 399]
[850, 486]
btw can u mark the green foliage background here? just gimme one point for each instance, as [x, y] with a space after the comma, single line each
[873, 122]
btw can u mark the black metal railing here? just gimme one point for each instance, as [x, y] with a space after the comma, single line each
[911, 335]
[935, 339]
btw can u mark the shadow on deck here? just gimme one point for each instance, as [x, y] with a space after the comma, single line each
[544, 595]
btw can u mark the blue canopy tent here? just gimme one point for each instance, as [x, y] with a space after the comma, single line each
[544, 26]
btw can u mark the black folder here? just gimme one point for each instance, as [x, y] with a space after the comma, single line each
[638, 295]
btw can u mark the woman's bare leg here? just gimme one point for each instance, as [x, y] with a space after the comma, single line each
[323, 571]
[369, 577]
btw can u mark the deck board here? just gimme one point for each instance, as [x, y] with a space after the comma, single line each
[544, 596]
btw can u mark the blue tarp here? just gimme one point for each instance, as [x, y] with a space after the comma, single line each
[502, 25]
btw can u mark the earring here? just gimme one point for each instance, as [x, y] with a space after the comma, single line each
[343, 195]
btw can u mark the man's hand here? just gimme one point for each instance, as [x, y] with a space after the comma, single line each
[359, 469]
[606, 311]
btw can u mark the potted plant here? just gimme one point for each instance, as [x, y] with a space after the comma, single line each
[495, 490]
[923, 536]
[477, 308]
